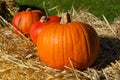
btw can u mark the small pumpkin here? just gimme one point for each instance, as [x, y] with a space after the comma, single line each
[68, 43]
[23, 20]
[36, 27]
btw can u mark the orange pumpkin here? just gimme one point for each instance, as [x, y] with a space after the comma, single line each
[23, 20]
[68, 44]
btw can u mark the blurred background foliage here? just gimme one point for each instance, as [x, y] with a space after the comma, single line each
[109, 8]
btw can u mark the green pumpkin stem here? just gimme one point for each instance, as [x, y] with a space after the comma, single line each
[65, 18]
[43, 19]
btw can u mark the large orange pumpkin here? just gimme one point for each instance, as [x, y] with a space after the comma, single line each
[23, 20]
[68, 44]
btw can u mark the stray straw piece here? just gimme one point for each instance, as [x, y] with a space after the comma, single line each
[73, 69]
[109, 25]
[12, 27]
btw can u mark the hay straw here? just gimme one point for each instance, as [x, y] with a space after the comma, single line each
[11, 26]
[20, 61]
[109, 25]
[105, 75]
[11, 12]
[14, 60]
[73, 69]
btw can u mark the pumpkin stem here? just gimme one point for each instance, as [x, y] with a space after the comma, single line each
[43, 19]
[65, 18]
[28, 9]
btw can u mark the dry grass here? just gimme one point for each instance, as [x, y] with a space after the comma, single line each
[19, 60]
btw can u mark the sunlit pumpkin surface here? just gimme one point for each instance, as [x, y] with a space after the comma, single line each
[72, 44]
[23, 20]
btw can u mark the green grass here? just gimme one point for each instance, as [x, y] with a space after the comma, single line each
[109, 8]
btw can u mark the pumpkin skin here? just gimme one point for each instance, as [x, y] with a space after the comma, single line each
[61, 45]
[36, 27]
[23, 20]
